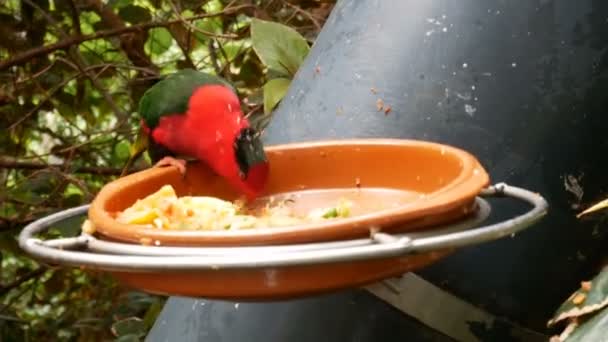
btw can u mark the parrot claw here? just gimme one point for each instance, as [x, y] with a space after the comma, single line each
[180, 164]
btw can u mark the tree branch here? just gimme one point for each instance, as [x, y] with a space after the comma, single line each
[132, 44]
[78, 39]
[182, 37]
[80, 62]
[213, 56]
[12, 163]
[75, 17]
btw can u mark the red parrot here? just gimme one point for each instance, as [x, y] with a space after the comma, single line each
[198, 115]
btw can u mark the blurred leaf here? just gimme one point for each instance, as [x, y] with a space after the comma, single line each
[152, 313]
[256, 97]
[70, 227]
[183, 64]
[210, 25]
[593, 329]
[134, 14]
[31, 190]
[590, 297]
[233, 48]
[88, 117]
[8, 243]
[280, 47]
[596, 207]
[27, 197]
[129, 326]
[213, 6]
[191, 4]
[128, 338]
[159, 40]
[56, 282]
[87, 21]
[122, 150]
[73, 200]
[119, 3]
[274, 91]
[140, 300]
[250, 71]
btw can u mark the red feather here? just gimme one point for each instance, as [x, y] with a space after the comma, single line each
[207, 131]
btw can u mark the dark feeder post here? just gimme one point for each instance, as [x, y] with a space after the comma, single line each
[521, 85]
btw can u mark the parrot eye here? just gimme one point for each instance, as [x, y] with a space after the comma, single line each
[248, 150]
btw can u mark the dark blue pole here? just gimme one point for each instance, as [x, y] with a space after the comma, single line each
[521, 84]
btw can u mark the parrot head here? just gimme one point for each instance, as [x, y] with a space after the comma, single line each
[199, 116]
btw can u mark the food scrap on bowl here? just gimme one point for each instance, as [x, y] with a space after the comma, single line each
[165, 210]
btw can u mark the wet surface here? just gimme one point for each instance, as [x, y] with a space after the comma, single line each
[362, 200]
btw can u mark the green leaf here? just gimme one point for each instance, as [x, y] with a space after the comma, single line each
[159, 40]
[593, 329]
[122, 150]
[233, 48]
[585, 300]
[56, 282]
[129, 326]
[8, 243]
[72, 200]
[152, 313]
[191, 4]
[274, 91]
[119, 3]
[134, 14]
[87, 20]
[280, 48]
[211, 25]
[70, 227]
[128, 338]
[213, 6]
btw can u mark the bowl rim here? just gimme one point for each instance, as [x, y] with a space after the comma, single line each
[462, 189]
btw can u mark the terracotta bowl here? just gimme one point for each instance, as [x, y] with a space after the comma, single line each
[279, 283]
[396, 185]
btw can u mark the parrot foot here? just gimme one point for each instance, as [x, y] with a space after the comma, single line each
[180, 164]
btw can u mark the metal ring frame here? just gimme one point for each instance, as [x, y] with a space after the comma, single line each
[102, 246]
[112, 256]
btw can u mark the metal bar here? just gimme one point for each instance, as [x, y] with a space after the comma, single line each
[443, 311]
[494, 231]
[135, 263]
[67, 243]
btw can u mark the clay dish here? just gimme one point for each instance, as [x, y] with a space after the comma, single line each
[396, 185]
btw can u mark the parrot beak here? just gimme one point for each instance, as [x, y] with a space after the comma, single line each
[252, 164]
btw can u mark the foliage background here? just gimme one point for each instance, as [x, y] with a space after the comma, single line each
[71, 75]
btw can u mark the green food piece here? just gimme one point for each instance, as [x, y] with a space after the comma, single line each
[342, 210]
[331, 213]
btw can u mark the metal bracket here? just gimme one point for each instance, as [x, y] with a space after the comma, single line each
[105, 255]
[438, 310]
[442, 311]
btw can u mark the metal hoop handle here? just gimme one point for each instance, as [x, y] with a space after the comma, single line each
[115, 256]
